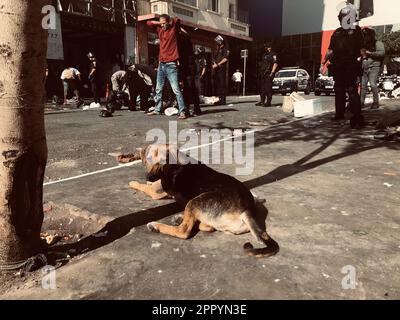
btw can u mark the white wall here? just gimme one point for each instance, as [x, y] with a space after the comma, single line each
[309, 16]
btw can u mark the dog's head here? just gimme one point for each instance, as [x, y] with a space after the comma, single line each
[155, 156]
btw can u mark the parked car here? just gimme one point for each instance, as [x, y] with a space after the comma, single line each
[293, 79]
[324, 84]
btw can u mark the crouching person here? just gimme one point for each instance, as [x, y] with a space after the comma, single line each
[71, 78]
[118, 86]
[141, 80]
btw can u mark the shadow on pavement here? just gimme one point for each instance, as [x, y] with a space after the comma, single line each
[307, 130]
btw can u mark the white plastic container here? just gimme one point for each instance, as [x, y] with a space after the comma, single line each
[307, 108]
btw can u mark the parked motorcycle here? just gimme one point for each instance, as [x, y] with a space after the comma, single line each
[389, 86]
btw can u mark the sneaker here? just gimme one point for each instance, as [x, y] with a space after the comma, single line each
[153, 113]
[182, 116]
[259, 104]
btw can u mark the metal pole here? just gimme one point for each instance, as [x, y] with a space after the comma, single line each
[124, 12]
[89, 9]
[244, 75]
[113, 11]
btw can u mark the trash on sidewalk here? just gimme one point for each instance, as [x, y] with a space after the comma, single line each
[208, 100]
[156, 245]
[92, 106]
[169, 112]
[126, 158]
[388, 185]
[101, 234]
[51, 239]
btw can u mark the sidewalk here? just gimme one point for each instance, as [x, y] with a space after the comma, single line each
[333, 199]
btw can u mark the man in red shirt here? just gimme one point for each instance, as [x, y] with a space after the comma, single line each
[168, 32]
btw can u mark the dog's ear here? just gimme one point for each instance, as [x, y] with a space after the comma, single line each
[155, 172]
[142, 152]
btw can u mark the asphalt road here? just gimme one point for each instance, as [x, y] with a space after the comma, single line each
[332, 197]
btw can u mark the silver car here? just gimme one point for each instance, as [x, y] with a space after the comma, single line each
[289, 80]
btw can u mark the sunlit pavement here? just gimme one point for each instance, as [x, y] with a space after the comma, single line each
[332, 195]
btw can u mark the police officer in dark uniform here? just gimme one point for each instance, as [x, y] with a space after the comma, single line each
[343, 54]
[220, 66]
[201, 69]
[187, 73]
[268, 67]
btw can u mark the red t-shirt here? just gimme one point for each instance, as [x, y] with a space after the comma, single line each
[168, 41]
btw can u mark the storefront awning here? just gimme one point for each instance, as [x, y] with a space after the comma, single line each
[199, 26]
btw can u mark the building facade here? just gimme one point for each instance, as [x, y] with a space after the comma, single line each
[116, 32]
[204, 20]
[103, 27]
[307, 26]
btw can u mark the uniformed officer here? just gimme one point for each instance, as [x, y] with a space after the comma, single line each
[220, 64]
[344, 52]
[268, 67]
[201, 69]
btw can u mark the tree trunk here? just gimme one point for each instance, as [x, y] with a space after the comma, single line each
[23, 149]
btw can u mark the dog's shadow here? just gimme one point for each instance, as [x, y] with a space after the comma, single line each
[112, 231]
[122, 226]
[261, 215]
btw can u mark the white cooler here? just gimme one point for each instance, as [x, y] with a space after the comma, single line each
[307, 108]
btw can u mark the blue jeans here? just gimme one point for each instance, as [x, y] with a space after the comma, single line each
[168, 71]
[370, 75]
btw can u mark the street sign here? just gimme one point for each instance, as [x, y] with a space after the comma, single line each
[244, 53]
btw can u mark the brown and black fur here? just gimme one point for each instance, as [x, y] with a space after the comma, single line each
[212, 200]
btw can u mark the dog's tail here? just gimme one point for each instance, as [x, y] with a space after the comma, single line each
[271, 246]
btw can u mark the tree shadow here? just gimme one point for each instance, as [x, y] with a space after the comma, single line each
[318, 130]
[325, 136]
[112, 231]
[120, 227]
[215, 111]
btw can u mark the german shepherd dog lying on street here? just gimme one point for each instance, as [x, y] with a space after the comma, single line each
[212, 200]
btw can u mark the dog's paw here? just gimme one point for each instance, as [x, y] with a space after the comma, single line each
[134, 184]
[152, 227]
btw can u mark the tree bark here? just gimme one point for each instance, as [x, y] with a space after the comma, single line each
[23, 149]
